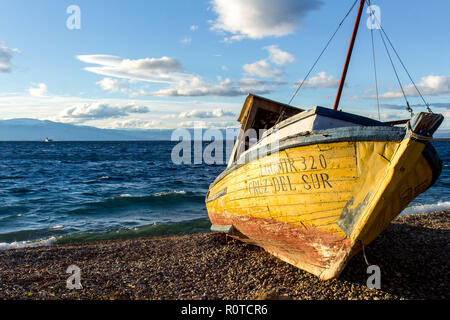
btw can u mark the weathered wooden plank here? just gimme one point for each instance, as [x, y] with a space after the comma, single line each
[273, 203]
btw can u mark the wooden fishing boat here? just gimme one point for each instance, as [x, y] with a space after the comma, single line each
[316, 185]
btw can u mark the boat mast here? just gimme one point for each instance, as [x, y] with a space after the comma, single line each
[349, 54]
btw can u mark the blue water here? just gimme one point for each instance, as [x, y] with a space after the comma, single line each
[71, 191]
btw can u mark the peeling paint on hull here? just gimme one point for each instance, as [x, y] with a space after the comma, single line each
[311, 249]
[315, 205]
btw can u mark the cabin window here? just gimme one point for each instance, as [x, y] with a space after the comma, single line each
[257, 116]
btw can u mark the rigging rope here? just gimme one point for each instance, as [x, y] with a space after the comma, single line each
[406, 70]
[401, 62]
[375, 66]
[381, 32]
[364, 254]
[320, 55]
[408, 107]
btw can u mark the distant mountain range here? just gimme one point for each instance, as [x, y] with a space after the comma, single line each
[38, 130]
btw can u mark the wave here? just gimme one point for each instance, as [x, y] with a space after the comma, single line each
[25, 235]
[157, 194]
[153, 230]
[168, 193]
[198, 225]
[160, 199]
[27, 244]
[11, 217]
[427, 208]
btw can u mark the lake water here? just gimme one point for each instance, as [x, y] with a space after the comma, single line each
[59, 192]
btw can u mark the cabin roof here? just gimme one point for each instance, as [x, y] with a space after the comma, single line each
[345, 116]
[253, 97]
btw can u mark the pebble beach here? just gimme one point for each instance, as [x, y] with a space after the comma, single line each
[412, 253]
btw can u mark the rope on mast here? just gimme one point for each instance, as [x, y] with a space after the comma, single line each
[408, 107]
[380, 27]
[320, 55]
[375, 65]
[406, 70]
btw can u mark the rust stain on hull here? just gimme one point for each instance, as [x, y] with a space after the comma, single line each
[316, 251]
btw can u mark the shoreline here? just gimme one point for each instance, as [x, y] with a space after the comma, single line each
[412, 253]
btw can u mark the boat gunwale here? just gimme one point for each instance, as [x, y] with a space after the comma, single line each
[341, 134]
[322, 111]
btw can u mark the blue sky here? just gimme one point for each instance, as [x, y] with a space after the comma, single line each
[166, 64]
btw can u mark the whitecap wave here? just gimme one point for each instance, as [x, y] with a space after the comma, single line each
[162, 194]
[27, 244]
[426, 208]
[124, 195]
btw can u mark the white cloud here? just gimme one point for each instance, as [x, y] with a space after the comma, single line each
[5, 57]
[196, 87]
[186, 40]
[256, 19]
[210, 125]
[429, 85]
[436, 105]
[368, 92]
[113, 85]
[237, 37]
[169, 116]
[39, 90]
[251, 82]
[52, 107]
[93, 111]
[278, 56]
[192, 124]
[194, 28]
[446, 113]
[166, 70]
[217, 113]
[135, 124]
[162, 70]
[261, 69]
[321, 80]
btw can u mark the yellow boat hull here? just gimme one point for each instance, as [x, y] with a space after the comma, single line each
[315, 205]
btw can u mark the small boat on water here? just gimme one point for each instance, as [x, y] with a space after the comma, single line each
[312, 187]
[48, 140]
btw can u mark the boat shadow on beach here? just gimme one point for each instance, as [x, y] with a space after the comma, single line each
[413, 260]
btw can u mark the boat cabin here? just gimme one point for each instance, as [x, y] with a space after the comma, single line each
[258, 114]
[260, 117]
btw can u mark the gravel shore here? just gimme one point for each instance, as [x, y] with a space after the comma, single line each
[413, 254]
